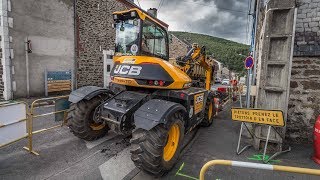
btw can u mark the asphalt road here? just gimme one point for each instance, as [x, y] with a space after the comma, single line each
[63, 156]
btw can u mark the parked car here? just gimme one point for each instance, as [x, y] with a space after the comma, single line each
[225, 82]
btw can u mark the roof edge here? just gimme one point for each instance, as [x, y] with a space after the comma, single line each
[132, 5]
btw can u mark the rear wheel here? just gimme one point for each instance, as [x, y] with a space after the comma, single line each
[210, 112]
[83, 121]
[156, 151]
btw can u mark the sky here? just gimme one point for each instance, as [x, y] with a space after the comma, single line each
[221, 18]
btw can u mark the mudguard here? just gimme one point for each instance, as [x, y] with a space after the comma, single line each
[87, 92]
[154, 112]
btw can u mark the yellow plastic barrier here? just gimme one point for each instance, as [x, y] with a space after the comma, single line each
[258, 166]
[32, 116]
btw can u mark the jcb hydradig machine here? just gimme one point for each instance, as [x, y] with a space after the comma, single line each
[149, 97]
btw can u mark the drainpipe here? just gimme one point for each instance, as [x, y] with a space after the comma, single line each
[75, 70]
[257, 7]
[26, 42]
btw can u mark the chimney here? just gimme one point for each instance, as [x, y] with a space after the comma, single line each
[153, 12]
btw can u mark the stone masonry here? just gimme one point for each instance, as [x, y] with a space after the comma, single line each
[94, 34]
[307, 37]
[1, 81]
[304, 102]
[177, 47]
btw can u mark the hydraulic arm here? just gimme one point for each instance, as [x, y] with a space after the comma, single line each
[196, 65]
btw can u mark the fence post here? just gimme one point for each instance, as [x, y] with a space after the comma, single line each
[30, 129]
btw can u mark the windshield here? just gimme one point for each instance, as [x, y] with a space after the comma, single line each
[154, 40]
[127, 37]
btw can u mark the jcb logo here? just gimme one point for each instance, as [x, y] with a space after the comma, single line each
[126, 69]
[198, 102]
[199, 98]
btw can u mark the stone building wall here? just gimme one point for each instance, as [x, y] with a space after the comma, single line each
[1, 80]
[304, 102]
[49, 25]
[177, 47]
[307, 37]
[94, 34]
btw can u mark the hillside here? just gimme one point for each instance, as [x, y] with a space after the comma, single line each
[225, 51]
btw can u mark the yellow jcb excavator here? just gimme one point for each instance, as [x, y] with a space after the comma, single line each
[149, 97]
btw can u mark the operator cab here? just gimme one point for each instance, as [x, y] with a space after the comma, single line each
[138, 34]
[142, 53]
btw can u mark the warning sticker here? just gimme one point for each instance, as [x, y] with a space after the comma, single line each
[198, 102]
[134, 49]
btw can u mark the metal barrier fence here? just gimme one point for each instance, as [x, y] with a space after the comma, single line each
[31, 116]
[4, 125]
[258, 166]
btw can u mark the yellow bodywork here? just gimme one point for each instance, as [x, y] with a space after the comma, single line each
[180, 78]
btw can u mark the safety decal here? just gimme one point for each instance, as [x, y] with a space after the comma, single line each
[134, 49]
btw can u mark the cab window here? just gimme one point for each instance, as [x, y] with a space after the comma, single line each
[154, 40]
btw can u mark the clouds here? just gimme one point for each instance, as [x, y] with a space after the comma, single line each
[221, 18]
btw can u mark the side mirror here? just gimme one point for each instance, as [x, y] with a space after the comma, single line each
[170, 38]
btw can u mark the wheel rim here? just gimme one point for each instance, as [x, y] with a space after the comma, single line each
[210, 111]
[97, 126]
[172, 143]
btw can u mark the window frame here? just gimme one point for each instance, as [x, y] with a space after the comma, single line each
[166, 56]
[139, 37]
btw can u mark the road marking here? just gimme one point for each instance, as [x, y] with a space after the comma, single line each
[117, 167]
[259, 157]
[178, 173]
[92, 144]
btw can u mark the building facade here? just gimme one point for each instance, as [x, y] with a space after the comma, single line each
[63, 34]
[48, 26]
[94, 34]
[177, 47]
[304, 90]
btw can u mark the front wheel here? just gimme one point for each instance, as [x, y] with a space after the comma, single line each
[156, 151]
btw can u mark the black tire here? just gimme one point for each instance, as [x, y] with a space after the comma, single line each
[81, 117]
[70, 112]
[208, 120]
[147, 147]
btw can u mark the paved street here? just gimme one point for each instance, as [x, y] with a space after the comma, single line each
[63, 156]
